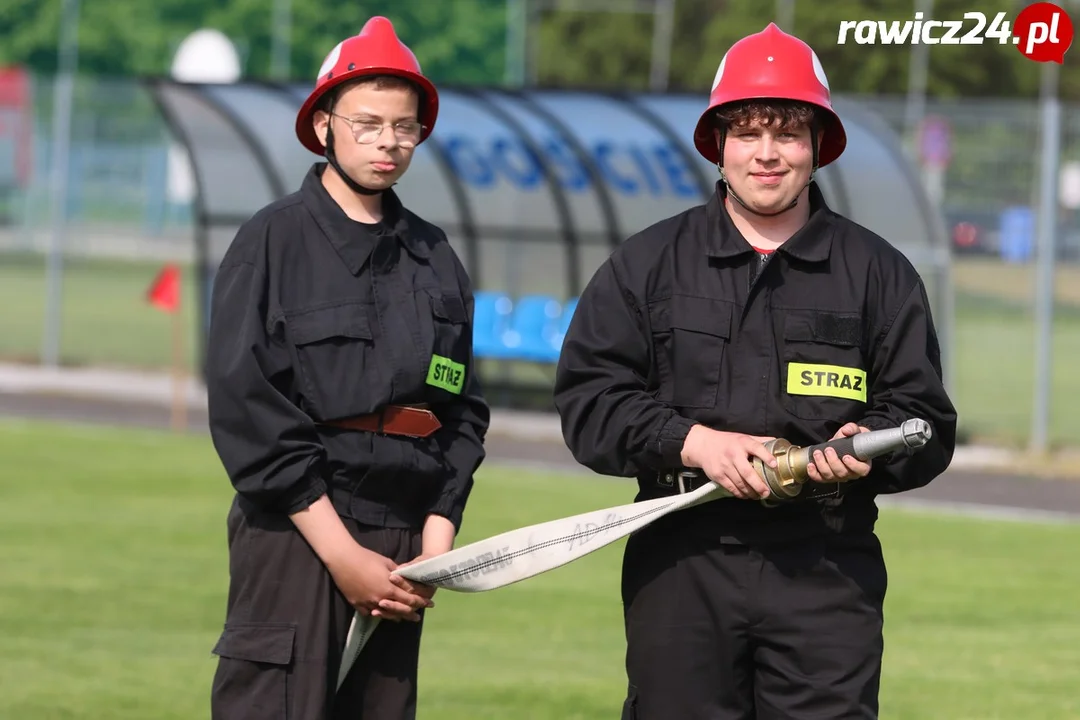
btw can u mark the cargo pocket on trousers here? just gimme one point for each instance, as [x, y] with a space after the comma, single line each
[252, 676]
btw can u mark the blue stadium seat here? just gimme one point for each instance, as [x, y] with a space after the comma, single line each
[533, 326]
[491, 320]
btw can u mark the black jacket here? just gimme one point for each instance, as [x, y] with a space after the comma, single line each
[317, 317]
[678, 327]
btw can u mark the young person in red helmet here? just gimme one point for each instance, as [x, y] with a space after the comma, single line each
[760, 314]
[343, 404]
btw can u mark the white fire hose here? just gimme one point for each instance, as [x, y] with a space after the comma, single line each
[523, 553]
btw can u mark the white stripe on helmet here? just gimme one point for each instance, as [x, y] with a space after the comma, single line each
[331, 59]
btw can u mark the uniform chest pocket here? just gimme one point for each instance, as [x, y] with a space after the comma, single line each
[690, 339]
[823, 374]
[450, 349]
[334, 353]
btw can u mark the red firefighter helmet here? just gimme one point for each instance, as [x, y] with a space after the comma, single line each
[772, 64]
[375, 51]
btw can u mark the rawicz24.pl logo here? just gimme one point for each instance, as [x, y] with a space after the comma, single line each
[1041, 32]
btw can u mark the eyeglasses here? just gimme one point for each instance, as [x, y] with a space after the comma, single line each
[366, 132]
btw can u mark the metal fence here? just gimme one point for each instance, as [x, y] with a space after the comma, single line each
[125, 216]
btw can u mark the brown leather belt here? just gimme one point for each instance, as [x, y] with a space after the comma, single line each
[407, 420]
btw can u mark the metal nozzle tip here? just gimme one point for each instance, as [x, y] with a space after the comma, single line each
[916, 432]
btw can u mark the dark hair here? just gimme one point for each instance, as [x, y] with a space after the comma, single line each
[785, 114]
[382, 82]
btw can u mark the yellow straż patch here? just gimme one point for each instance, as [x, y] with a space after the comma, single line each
[826, 381]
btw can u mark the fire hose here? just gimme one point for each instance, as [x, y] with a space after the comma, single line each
[529, 551]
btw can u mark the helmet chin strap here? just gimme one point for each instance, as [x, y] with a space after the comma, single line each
[731, 192]
[331, 157]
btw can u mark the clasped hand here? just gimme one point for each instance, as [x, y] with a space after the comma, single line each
[367, 581]
[392, 609]
[726, 459]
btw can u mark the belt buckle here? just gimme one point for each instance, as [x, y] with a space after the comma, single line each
[683, 477]
[676, 480]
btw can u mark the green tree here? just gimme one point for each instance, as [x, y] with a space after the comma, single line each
[459, 41]
[120, 37]
[593, 49]
[613, 50]
[463, 41]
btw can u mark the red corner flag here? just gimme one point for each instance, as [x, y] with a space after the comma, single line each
[164, 293]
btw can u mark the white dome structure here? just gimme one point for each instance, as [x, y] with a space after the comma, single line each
[206, 56]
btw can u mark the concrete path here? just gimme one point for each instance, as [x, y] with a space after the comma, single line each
[981, 480]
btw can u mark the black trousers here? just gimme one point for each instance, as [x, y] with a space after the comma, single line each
[731, 632]
[286, 624]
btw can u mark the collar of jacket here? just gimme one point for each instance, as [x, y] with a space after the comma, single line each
[811, 243]
[352, 241]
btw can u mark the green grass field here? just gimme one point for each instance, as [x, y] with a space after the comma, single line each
[113, 553]
[106, 322]
[104, 317]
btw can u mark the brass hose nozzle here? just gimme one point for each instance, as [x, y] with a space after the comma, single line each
[786, 480]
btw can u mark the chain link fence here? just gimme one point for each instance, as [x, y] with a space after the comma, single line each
[127, 213]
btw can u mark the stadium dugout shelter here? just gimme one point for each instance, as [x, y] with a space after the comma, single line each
[534, 189]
